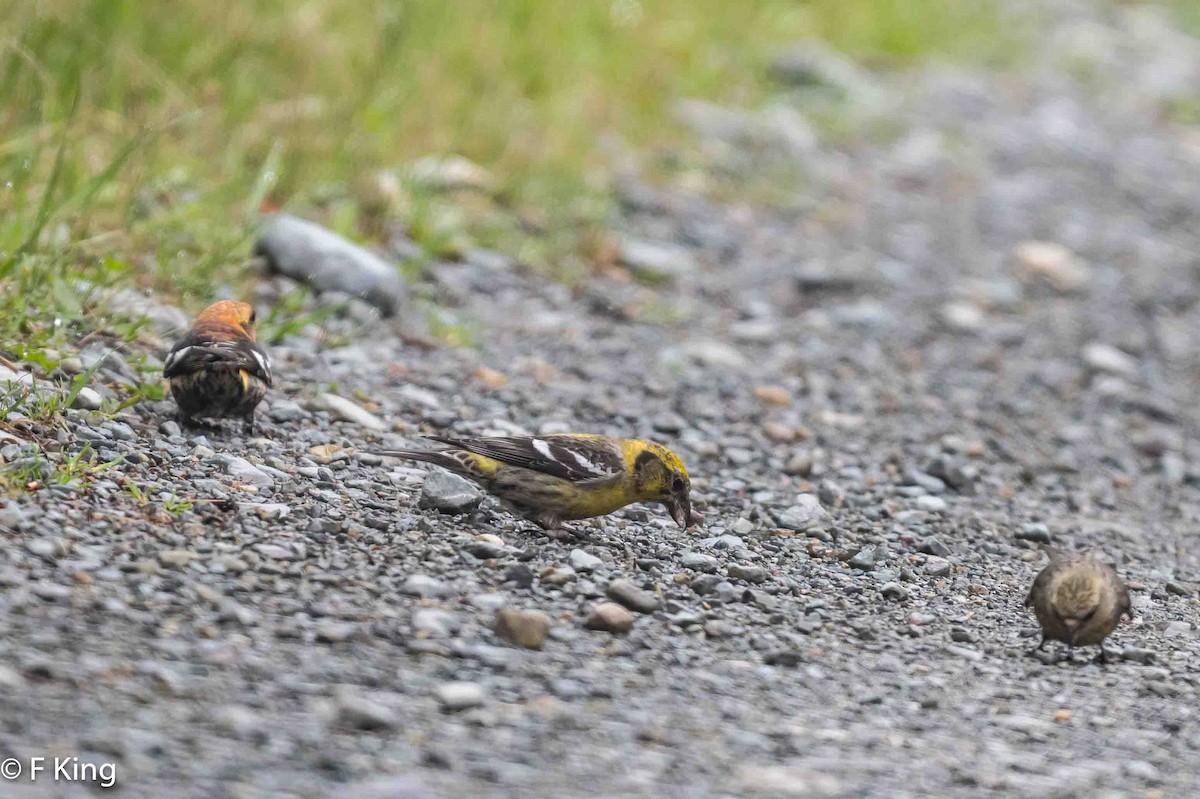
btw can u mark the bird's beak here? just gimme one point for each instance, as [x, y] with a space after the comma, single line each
[681, 512]
[1072, 626]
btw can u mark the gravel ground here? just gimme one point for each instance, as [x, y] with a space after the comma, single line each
[967, 337]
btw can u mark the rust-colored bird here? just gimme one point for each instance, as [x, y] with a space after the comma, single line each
[1078, 600]
[218, 369]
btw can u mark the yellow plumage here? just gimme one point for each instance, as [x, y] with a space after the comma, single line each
[556, 478]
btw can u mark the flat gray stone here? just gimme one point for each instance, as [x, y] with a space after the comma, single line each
[311, 254]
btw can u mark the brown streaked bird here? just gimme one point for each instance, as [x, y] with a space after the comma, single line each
[556, 478]
[1078, 600]
[218, 369]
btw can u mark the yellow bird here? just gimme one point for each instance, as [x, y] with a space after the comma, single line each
[557, 478]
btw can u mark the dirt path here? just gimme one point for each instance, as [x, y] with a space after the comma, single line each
[886, 396]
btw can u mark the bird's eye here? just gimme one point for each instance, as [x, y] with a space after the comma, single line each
[253, 315]
[677, 484]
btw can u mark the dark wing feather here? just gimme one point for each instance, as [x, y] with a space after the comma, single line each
[1123, 601]
[198, 351]
[563, 456]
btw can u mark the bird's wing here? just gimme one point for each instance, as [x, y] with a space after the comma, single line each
[1123, 601]
[1040, 584]
[574, 458]
[196, 352]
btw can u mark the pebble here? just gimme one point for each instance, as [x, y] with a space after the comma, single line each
[1036, 532]
[864, 559]
[359, 712]
[349, 411]
[894, 591]
[937, 567]
[806, 514]
[1138, 655]
[657, 262]
[434, 623]
[584, 562]
[423, 586]
[460, 695]
[524, 628]
[1177, 629]
[242, 723]
[631, 596]
[751, 574]
[88, 399]
[931, 503]
[1102, 357]
[933, 546]
[1052, 263]
[609, 617]
[243, 471]
[12, 516]
[698, 561]
[448, 493]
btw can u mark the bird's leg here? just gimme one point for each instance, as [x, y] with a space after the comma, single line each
[192, 422]
[1102, 658]
[551, 524]
[248, 424]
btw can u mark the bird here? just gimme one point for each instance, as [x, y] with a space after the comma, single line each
[218, 369]
[1077, 600]
[555, 478]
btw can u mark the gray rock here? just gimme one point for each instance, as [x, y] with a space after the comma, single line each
[698, 561]
[388, 788]
[242, 471]
[1177, 629]
[12, 516]
[1033, 531]
[1102, 357]
[932, 504]
[423, 586]
[460, 695]
[449, 493]
[937, 567]
[241, 723]
[324, 260]
[933, 546]
[87, 399]
[584, 562]
[348, 411]
[631, 596]
[806, 514]
[655, 261]
[751, 574]
[360, 712]
[1138, 655]
[434, 622]
[865, 559]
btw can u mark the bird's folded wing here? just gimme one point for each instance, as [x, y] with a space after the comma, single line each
[577, 459]
[193, 354]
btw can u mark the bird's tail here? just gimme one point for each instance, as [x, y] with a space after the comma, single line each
[1054, 553]
[447, 459]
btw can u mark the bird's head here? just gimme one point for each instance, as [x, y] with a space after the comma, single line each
[1077, 598]
[660, 476]
[238, 315]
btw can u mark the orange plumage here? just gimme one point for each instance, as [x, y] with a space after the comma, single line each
[218, 369]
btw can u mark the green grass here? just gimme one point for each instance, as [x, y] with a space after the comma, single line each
[139, 139]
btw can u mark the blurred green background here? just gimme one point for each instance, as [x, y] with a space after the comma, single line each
[150, 132]
[139, 139]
